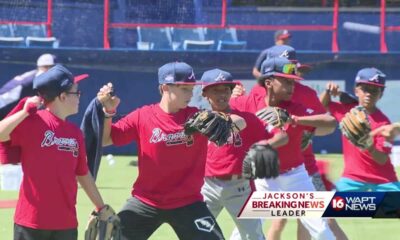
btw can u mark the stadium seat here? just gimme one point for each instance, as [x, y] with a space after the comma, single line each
[12, 42]
[6, 30]
[25, 30]
[231, 45]
[224, 34]
[180, 35]
[227, 39]
[48, 42]
[198, 45]
[153, 38]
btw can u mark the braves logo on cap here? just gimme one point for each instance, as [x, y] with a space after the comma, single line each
[169, 78]
[191, 77]
[220, 78]
[284, 54]
[375, 78]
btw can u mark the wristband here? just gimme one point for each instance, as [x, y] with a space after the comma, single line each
[98, 209]
[109, 114]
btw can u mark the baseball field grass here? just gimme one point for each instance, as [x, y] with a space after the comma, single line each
[115, 183]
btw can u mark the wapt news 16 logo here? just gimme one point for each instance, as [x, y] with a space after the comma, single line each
[364, 204]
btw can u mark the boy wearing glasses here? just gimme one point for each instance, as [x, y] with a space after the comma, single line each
[53, 159]
[369, 169]
[278, 78]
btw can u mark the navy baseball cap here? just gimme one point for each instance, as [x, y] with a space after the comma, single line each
[288, 52]
[176, 73]
[56, 80]
[282, 34]
[282, 51]
[371, 76]
[216, 77]
[279, 67]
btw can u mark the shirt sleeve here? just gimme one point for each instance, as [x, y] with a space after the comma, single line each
[380, 142]
[338, 110]
[238, 103]
[82, 167]
[18, 135]
[315, 104]
[126, 130]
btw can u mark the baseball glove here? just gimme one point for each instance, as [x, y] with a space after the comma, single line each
[355, 127]
[216, 126]
[306, 139]
[103, 225]
[274, 116]
[261, 161]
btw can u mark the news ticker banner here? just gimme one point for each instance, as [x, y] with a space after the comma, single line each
[321, 204]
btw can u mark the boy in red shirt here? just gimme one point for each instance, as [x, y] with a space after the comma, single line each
[279, 75]
[171, 164]
[53, 158]
[369, 169]
[224, 185]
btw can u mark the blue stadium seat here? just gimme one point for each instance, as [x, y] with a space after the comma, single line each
[6, 30]
[25, 30]
[226, 38]
[198, 45]
[12, 42]
[180, 35]
[47, 42]
[231, 45]
[154, 38]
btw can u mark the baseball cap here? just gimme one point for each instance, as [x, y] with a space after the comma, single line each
[176, 73]
[371, 76]
[288, 52]
[56, 80]
[282, 51]
[282, 34]
[216, 77]
[46, 59]
[279, 67]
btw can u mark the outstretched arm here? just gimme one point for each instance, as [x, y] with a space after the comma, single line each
[323, 123]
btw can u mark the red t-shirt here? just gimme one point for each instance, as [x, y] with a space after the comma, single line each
[290, 155]
[171, 165]
[307, 97]
[52, 155]
[228, 159]
[358, 164]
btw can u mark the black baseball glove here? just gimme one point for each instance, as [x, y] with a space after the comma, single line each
[261, 161]
[216, 126]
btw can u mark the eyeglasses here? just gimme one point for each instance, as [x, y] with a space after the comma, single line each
[77, 93]
[289, 68]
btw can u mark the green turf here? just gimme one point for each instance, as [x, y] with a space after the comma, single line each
[115, 184]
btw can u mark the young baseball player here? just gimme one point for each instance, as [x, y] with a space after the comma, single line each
[279, 75]
[308, 97]
[369, 169]
[224, 185]
[171, 164]
[53, 159]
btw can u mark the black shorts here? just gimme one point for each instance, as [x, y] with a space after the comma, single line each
[191, 222]
[26, 233]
